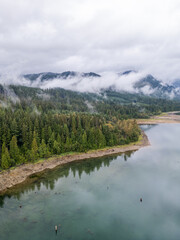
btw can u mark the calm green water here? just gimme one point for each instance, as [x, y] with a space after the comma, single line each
[100, 198]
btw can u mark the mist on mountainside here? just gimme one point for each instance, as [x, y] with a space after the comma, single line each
[128, 81]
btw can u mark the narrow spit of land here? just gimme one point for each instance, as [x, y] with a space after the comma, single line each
[18, 175]
[169, 117]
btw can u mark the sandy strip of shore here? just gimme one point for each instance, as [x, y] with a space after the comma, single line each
[18, 175]
[169, 117]
[155, 121]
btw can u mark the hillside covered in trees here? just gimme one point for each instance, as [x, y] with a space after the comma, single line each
[36, 123]
[108, 103]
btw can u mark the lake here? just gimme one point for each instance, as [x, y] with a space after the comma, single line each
[100, 198]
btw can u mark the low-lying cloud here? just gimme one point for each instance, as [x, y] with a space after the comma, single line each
[107, 80]
[91, 84]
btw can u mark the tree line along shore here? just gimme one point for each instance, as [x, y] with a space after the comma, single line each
[27, 137]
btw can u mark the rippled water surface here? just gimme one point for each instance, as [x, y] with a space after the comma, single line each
[100, 198]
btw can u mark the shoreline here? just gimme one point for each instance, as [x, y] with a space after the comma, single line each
[20, 174]
[154, 121]
[169, 117]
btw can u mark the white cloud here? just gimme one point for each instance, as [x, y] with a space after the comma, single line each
[81, 84]
[44, 35]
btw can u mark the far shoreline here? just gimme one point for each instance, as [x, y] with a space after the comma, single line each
[168, 117]
[12, 177]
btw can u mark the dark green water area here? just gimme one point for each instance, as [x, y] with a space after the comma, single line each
[100, 198]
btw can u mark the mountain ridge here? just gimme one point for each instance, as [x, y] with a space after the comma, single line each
[147, 84]
[64, 75]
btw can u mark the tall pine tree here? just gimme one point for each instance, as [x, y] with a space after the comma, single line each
[5, 161]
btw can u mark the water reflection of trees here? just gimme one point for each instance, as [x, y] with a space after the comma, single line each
[49, 178]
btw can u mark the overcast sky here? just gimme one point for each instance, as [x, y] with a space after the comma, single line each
[90, 35]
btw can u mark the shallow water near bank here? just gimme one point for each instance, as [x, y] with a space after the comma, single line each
[100, 198]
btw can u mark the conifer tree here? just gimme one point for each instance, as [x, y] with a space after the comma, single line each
[56, 148]
[34, 150]
[101, 139]
[25, 135]
[68, 144]
[61, 145]
[14, 150]
[14, 128]
[3, 148]
[43, 150]
[73, 125]
[84, 142]
[5, 161]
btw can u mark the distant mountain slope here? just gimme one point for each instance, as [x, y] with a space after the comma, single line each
[176, 83]
[156, 87]
[147, 85]
[149, 80]
[127, 72]
[49, 75]
[109, 103]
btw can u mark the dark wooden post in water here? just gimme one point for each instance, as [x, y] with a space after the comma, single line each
[140, 199]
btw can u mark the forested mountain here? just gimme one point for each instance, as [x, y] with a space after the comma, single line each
[109, 103]
[157, 88]
[147, 85]
[37, 123]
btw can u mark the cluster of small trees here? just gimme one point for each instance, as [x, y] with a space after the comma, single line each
[26, 136]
